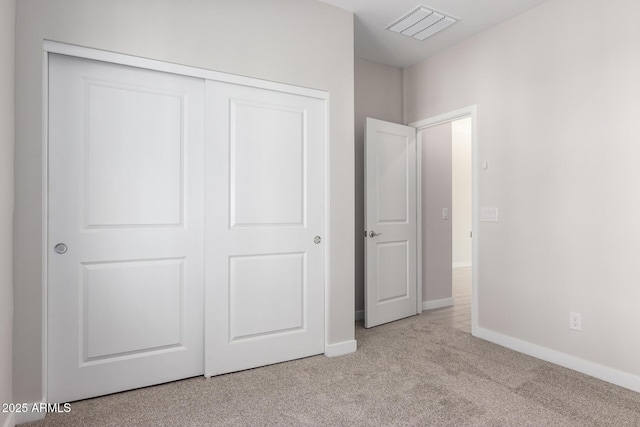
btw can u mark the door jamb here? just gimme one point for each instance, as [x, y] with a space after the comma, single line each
[470, 111]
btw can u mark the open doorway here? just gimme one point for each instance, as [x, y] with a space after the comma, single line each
[446, 151]
[417, 184]
[461, 224]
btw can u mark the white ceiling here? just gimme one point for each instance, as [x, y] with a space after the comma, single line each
[376, 44]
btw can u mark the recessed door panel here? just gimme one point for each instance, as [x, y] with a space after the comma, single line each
[265, 271]
[134, 156]
[267, 295]
[267, 149]
[393, 186]
[392, 270]
[126, 200]
[116, 298]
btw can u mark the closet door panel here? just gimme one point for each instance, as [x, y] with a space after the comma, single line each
[125, 228]
[265, 227]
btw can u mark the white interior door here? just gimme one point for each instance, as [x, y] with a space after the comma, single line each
[391, 215]
[265, 225]
[126, 228]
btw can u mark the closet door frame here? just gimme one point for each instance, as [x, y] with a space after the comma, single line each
[150, 64]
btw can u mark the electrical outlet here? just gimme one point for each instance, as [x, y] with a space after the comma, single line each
[575, 321]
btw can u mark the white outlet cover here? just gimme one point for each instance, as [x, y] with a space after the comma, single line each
[575, 321]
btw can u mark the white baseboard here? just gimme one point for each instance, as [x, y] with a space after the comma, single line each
[461, 264]
[359, 315]
[604, 373]
[341, 348]
[10, 421]
[27, 417]
[437, 303]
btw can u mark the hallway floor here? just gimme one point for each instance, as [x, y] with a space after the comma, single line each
[458, 315]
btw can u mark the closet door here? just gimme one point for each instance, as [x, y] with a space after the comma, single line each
[265, 244]
[126, 228]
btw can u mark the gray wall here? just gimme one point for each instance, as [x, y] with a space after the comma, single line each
[378, 94]
[557, 90]
[300, 42]
[436, 195]
[7, 44]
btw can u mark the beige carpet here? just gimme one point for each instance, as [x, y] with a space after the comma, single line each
[408, 373]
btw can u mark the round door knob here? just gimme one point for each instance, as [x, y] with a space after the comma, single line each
[60, 248]
[317, 240]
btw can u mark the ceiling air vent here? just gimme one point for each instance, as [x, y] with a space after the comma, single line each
[421, 23]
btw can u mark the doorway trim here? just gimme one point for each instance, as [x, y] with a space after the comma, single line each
[54, 47]
[470, 111]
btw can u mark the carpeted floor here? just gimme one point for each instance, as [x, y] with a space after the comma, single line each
[407, 373]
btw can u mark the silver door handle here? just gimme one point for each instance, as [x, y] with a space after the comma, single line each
[374, 234]
[60, 248]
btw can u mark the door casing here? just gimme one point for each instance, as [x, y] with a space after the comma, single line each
[470, 111]
[128, 60]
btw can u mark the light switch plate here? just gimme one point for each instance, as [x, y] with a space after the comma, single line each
[489, 214]
[445, 213]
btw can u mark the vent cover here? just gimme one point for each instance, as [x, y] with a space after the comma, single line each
[421, 23]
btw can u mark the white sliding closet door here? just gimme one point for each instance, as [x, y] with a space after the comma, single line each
[155, 179]
[265, 206]
[126, 228]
